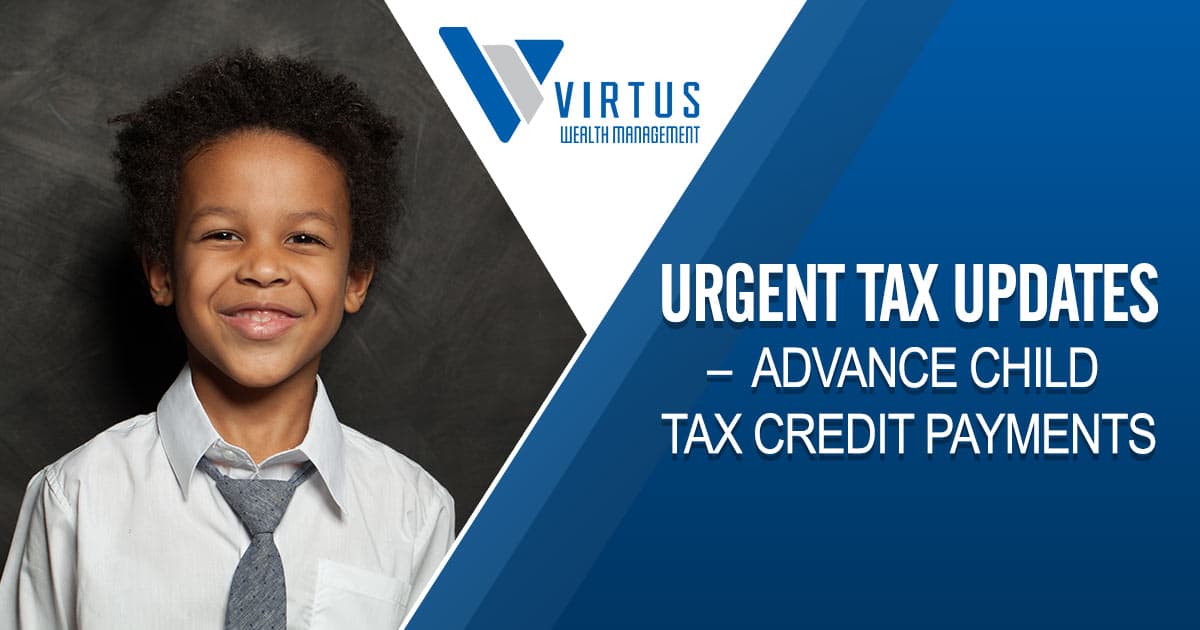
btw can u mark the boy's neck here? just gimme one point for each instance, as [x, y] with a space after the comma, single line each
[263, 421]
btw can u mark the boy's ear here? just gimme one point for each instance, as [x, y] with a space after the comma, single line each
[357, 282]
[159, 279]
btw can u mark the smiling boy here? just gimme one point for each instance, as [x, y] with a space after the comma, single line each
[261, 193]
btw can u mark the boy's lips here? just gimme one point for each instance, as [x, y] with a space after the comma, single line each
[259, 322]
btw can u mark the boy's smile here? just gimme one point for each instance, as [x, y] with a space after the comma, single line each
[260, 321]
[260, 274]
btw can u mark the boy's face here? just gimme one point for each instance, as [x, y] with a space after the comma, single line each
[260, 273]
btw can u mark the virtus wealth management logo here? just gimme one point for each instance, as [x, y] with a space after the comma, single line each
[609, 112]
[525, 90]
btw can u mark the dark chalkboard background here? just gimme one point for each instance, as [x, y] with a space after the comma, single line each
[463, 334]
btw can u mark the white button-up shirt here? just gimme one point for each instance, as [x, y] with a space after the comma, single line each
[125, 532]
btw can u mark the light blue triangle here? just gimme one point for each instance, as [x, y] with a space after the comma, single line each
[540, 54]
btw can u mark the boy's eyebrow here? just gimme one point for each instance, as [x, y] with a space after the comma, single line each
[319, 214]
[214, 210]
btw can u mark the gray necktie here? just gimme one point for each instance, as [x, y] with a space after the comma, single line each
[257, 595]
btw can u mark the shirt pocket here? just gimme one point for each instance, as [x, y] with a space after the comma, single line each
[349, 597]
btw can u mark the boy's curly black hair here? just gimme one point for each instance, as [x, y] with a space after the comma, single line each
[244, 90]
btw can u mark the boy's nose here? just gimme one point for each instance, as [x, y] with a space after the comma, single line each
[263, 266]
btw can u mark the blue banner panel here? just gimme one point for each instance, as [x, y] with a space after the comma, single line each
[657, 488]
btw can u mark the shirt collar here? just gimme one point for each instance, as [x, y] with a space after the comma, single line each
[187, 434]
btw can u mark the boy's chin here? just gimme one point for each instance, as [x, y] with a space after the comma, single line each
[251, 374]
[258, 379]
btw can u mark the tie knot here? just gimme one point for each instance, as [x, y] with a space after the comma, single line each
[258, 503]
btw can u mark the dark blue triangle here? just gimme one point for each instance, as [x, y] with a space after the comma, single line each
[540, 54]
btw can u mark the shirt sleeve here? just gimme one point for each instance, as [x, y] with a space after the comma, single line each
[37, 589]
[440, 537]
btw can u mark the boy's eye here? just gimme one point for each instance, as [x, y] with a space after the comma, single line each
[220, 235]
[305, 239]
